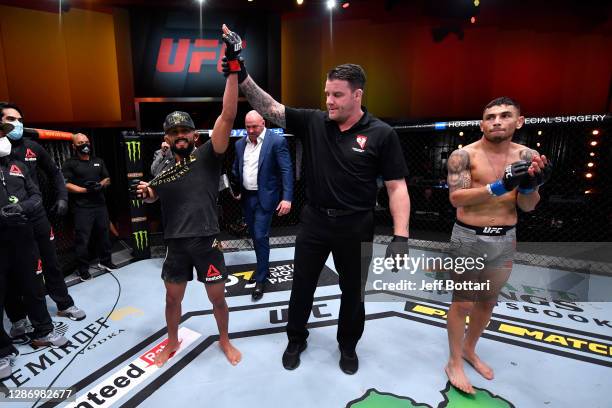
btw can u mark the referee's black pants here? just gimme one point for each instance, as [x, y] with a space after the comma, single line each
[54, 278]
[18, 274]
[87, 222]
[343, 236]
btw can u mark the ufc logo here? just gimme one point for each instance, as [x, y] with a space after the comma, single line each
[491, 230]
[197, 52]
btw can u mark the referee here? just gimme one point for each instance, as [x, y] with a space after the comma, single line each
[345, 149]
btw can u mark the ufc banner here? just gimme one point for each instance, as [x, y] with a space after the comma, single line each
[171, 59]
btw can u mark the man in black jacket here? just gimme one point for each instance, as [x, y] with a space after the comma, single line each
[20, 200]
[36, 157]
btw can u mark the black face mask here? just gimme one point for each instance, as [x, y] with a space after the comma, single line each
[183, 152]
[84, 148]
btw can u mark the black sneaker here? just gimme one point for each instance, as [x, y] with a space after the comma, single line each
[291, 356]
[349, 363]
[108, 266]
[84, 274]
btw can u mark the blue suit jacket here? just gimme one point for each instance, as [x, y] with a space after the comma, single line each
[274, 175]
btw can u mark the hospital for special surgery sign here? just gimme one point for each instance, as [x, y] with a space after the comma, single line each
[172, 57]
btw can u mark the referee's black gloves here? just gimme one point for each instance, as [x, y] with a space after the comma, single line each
[398, 246]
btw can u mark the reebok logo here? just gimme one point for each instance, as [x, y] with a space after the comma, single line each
[15, 171]
[212, 272]
[30, 155]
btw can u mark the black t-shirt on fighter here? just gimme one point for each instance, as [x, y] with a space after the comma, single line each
[188, 193]
[342, 167]
[79, 172]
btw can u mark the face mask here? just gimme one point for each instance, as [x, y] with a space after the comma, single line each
[84, 148]
[17, 131]
[183, 152]
[5, 147]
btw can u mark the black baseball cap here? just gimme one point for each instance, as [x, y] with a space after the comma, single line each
[176, 119]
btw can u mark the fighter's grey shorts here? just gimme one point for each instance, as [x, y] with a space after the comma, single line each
[491, 250]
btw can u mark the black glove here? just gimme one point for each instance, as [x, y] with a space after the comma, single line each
[232, 63]
[233, 45]
[398, 246]
[93, 186]
[60, 207]
[532, 182]
[514, 174]
[134, 189]
[12, 214]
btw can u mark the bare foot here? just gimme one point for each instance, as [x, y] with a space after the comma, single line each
[479, 365]
[167, 352]
[458, 378]
[232, 353]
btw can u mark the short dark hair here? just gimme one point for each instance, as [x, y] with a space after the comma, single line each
[503, 100]
[8, 105]
[352, 73]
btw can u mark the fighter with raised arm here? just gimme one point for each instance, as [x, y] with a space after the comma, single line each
[188, 193]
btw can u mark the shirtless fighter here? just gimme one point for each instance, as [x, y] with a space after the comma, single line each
[487, 180]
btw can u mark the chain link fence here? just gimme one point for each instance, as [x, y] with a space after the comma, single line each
[575, 204]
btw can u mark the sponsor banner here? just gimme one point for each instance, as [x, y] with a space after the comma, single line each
[243, 132]
[545, 120]
[131, 375]
[175, 56]
[279, 279]
[134, 170]
[575, 344]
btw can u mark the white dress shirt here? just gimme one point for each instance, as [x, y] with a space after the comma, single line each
[251, 161]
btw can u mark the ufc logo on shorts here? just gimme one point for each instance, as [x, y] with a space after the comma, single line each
[492, 230]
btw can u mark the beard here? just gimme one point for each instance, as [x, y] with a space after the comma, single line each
[183, 152]
[497, 138]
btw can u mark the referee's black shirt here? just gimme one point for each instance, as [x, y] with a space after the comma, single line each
[342, 167]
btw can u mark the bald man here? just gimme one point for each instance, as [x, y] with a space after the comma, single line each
[262, 168]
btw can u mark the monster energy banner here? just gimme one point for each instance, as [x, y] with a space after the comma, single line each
[140, 230]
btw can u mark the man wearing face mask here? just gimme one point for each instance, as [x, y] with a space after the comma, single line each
[20, 200]
[36, 157]
[86, 178]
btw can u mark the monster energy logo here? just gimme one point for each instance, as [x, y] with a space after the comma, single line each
[13, 200]
[136, 203]
[141, 238]
[133, 150]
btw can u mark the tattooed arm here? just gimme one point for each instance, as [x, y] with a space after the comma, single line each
[528, 202]
[263, 103]
[459, 180]
[528, 155]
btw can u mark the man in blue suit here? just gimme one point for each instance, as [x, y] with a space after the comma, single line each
[263, 169]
